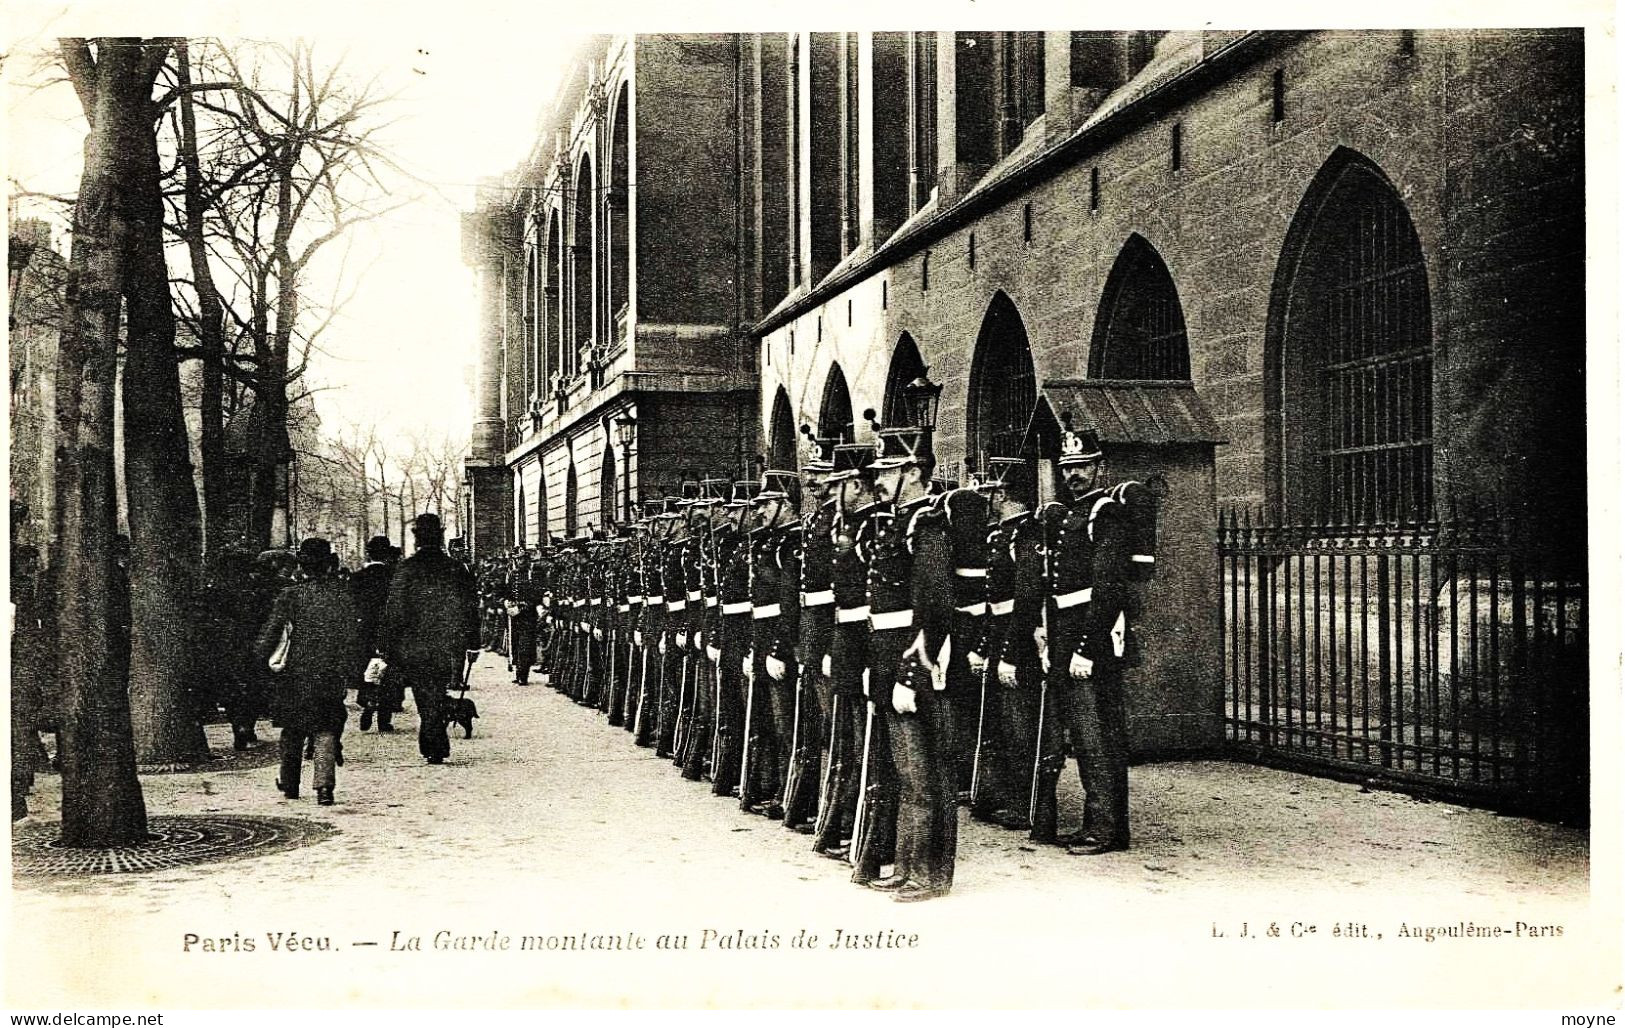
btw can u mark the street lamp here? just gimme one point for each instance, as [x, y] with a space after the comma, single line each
[920, 399]
[626, 429]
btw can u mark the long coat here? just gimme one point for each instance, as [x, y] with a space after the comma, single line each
[431, 618]
[325, 650]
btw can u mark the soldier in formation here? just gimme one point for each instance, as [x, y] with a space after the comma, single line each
[860, 661]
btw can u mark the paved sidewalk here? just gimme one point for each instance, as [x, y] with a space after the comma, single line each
[549, 822]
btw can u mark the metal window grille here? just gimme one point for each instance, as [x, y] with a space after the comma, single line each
[1145, 336]
[1373, 367]
[1008, 393]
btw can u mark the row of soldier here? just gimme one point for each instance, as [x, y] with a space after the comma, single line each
[859, 670]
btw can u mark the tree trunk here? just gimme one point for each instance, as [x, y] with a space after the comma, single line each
[211, 324]
[164, 532]
[102, 804]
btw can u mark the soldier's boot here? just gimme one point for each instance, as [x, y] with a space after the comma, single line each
[724, 764]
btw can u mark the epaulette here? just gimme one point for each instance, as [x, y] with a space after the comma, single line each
[930, 515]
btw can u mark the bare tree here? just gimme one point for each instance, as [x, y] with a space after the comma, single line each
[102, 803]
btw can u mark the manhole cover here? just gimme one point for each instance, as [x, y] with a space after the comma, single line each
[177, 841]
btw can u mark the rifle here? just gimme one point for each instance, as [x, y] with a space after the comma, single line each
[747, 743]
[860, 841]
[1043, 681]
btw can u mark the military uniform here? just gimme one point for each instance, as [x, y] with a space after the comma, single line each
[732, 643]
[967, 514]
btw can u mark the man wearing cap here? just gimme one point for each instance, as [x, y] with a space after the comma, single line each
[727, 648]
[910, 611]
[812, 553]
[430, 621]
[318, 617]
[650, 634]
[773, 587]
[966, 510]
[1092, 548]
[846, 661]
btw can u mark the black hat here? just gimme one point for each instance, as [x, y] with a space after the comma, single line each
[652, 509]
[850, 460]
[822, 458]
[379, 547]
[779, 485]
[671, 507]
[314, 552]
[427, 522]
[1079, 447]
[896, 447]
[713, 491]
[1012, 476]
[744, 494]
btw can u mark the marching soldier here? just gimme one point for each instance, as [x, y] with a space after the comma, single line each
[812, 555]
[846, 661]
[732, 641]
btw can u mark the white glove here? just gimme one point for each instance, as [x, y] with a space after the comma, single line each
[637, 637]
[1007, 674]
[825, 666]
[744, 665]
[775, 668]
[682, 640]
[713, 653]
[375, 671]
[585, 626]
[902, 699]
[540, 610]
[662, 646]
[866, 684]
[977, 662]
[598, 633]
[699, 641]
[1081, 666]
[1041, 639]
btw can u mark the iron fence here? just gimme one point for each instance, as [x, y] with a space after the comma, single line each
[1447, 655]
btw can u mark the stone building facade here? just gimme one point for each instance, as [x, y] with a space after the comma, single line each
[1364, 249]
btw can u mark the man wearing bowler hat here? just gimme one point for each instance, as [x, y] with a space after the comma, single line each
[430, 622]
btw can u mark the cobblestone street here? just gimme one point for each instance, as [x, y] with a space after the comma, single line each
[548, 823]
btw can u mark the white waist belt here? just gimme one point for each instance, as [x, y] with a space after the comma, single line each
[742, 607]
[891, 619]
[676, 605]
[999, 608]
[818, 599]
[1143, 558]
[971, 572]
[696, 594]
[624, 607]
[847, 615]
[655, 601]
[634, 599]
[1072, 599]
[581, 603]
[710, 601]
[595, 601]
[975, 609]
[770, 610]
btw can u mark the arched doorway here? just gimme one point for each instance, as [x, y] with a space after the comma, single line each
[1349, 355]
[781, 447]
[1003, 389]
[1140, 330]
[570, 522]
[617, 211]
[835, 412]
[906, 366]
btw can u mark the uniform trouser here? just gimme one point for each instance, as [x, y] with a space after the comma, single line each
[673, 666]
[524, 649]
[622, 671]
[651, 666]
[843, 735]
[782, 698]
[730, 708]
[701, 715]
[1098, 721]
[1035, 748]
[770, 715]
[293, 753]
[814, 691]
[927, 784]
[880, 842]
[965, 695]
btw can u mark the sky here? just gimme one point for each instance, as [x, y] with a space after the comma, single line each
[401, 357]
